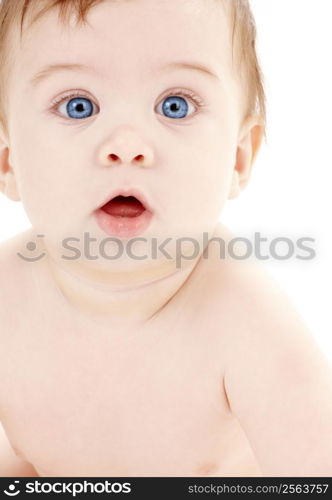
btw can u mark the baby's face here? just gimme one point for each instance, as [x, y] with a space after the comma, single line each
[126, 131]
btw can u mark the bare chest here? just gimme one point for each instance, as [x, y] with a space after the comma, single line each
[78, 401]
[148, 405]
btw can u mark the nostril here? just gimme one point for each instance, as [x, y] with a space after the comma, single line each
[114, 157]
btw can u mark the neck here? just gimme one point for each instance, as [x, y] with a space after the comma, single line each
[123, 298]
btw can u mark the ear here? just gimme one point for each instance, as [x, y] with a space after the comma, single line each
[8, 184]
[250, 139]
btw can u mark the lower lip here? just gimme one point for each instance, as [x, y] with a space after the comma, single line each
[123, 227]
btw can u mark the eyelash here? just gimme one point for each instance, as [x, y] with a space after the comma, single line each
[80, 93]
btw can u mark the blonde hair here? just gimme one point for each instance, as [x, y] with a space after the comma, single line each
[243, 31]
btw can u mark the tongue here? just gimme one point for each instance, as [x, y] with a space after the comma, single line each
[123, 206]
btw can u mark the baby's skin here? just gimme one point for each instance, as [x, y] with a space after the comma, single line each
[79, 398]
[135, 367]
[223, 381]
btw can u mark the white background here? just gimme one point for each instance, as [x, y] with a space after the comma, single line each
[289, 193]
[290, 190]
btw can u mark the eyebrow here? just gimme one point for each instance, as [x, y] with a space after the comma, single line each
[54, 68]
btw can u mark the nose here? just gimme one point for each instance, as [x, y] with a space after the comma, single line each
[126, 148]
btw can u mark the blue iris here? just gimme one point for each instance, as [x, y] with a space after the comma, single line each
[80, 107]
[175, 105]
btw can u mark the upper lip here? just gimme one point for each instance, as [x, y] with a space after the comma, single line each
[128, 192]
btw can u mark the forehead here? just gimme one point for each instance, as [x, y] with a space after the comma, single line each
[130, 36]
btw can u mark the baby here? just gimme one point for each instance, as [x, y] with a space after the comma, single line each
[129, 345]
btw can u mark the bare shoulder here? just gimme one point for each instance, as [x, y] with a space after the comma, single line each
[14, 251]
[12, 292]
[12, 271]
[252, 302]
[277, 380]
[17, 282]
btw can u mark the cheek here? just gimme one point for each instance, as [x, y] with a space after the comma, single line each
[45, 176]
[201, 172]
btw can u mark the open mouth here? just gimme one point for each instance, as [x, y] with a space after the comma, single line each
[126, 215]
[124, 206]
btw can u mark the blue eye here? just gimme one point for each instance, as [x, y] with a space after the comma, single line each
[79, 108]
[76, 106]
[177, 104]
[175, 107]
